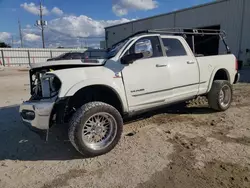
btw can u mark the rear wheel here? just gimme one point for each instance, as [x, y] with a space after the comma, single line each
[95, 129]
[220, 95]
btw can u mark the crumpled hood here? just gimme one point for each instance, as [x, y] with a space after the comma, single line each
[69, 63]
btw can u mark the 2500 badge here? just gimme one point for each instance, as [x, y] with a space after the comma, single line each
[138, 90]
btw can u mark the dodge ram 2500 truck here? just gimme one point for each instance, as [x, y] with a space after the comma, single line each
[147, 70]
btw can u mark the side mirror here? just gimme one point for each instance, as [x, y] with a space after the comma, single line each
[143, 49]
[144, 46]
[128, 59]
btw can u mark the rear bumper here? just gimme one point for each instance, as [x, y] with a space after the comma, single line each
[237, 78]
[36, 115]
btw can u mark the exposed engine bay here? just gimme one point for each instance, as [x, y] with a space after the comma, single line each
[42, 86]
[47, 86]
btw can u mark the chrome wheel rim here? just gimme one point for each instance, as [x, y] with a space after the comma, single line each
[99, 131]
[225, 96]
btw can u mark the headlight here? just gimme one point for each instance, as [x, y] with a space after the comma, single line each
[50, 86]
[46, 87]
[55, 84]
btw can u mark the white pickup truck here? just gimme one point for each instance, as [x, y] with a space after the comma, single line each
[145, 71]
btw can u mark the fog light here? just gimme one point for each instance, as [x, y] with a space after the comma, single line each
[28, 115]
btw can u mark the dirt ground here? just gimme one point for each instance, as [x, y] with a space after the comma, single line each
[189, 147]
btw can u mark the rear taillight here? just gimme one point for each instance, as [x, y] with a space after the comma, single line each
[236, 65]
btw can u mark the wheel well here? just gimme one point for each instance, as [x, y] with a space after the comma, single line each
[221, 75]
[94, 93]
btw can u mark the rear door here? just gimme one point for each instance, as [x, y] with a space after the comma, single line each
[146, 80]
[183, 67]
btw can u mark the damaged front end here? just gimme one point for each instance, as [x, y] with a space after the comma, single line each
[43, 84]
[37, 112]
[45, 108]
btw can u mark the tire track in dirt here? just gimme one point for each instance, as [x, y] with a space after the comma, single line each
[183, 170]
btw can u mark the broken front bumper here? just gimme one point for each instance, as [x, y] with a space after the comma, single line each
[36, 114]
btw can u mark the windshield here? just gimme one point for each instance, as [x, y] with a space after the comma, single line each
[62, 55]
[95, 54]
[115, 49]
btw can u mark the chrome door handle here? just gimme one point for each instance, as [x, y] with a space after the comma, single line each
[190, 62]
[158, 65]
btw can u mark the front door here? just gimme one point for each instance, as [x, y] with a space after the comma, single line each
[147, 80]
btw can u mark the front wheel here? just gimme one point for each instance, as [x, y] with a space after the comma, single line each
[220, 95]
[95, 129]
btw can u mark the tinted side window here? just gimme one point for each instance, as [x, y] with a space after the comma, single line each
[157, 51]
[173, 47]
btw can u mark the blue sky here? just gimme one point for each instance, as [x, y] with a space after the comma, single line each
[77, 18]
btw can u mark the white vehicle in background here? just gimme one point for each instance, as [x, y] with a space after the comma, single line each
[147, 70]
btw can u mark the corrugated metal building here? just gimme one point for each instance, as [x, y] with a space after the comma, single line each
[232, 16]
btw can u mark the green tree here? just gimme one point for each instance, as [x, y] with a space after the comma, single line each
[4, 45]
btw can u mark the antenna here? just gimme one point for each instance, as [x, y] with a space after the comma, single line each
[41, 23]
[12, 41]
[20, 33]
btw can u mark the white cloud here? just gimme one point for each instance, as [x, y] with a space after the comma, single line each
[121, 7]
[34, 9]
[57, 11]
[67, 31]
[81, 26]
[4, 36]
[16, 42]
[31, 37]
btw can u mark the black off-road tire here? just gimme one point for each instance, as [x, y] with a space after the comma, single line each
[81, 116]
[214, 94]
